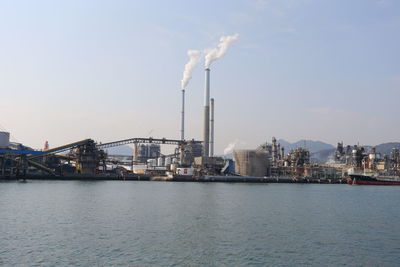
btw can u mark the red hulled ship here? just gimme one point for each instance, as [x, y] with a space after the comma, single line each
[364, 179]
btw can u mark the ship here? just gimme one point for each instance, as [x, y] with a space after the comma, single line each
[373, 179]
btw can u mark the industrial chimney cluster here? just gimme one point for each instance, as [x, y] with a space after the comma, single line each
[210, 55]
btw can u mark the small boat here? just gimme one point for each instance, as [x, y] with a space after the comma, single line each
[373, 179]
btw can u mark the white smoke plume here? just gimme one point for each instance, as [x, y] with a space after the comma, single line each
[218, 52]
[230, 147]
[194, 58]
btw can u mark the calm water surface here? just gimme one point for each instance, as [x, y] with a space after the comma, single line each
[115, 223]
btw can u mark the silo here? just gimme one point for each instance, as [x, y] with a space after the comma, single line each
[168, 161]
[160, 162]
[251, 162]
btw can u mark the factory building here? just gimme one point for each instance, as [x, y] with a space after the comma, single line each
[148, 151]
[191, 150]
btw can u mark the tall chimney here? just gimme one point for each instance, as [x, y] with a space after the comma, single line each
[206, 135]
[183, 116]
[212, 128]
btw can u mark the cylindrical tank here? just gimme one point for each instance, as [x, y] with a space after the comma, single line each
[185, 171]
[251, 162]
[160, 162]
[167, 161]
[4, 139]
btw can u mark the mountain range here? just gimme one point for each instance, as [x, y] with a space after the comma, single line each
[325, 155]
[312, 146]
[124, 150]
[386, 148]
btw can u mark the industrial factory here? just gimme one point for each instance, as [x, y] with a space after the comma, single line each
[359, 159]
[87, 159]
[192, 160]
[270, 160]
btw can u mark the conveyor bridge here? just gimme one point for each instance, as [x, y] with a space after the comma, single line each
[62, 148]
[150, 140]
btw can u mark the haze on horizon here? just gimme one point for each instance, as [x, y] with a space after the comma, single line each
[108, 70]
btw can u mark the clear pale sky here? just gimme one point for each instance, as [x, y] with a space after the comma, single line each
[108, 70]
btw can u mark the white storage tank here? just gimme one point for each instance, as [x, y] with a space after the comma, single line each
[160, 162]
[4, 139]
[167, 161]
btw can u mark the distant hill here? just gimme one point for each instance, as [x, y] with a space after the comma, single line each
[120, 150]
[313, 146]
[323, 156]
[384, 148]
[326, 155]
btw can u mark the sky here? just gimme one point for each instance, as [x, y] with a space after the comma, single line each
[110, 70]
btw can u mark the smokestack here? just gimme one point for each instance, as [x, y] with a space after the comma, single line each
[206, 136]
[194, 58]
[212, 128]
[183, 116]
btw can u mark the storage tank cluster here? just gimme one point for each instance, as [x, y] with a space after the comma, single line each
[162, 162]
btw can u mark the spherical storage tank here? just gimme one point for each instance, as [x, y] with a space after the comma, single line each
[4, 139]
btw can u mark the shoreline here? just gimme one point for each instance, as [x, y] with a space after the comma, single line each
[202, 179]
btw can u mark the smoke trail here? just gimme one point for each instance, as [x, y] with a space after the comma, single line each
[230, 147]
[216, 53]
[194, 58]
